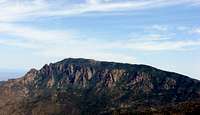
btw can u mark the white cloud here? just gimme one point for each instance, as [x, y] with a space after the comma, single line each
[35, 35]
[189, 30]
[159, 28]
[195, 31]
[145, 44]
[164, 45]
[93, 2]
[88, 52]
[68, 42]
[162, 38]
[24, 10]
[103, 5]
[18, 43]
[150, 37]
[57, 44]
[19, 10]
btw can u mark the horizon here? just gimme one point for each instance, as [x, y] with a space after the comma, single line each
[6, 74]
[164, 34]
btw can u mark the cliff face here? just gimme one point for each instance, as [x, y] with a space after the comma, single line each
[83, 86]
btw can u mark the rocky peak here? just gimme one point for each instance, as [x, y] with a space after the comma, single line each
[89, 84]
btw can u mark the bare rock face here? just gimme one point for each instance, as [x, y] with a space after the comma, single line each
[84, 86]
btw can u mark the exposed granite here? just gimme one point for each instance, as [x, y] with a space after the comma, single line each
[84, 86]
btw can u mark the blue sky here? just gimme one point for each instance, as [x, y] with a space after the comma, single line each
[161, 33]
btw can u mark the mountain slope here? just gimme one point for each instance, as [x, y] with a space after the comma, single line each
[84, 86]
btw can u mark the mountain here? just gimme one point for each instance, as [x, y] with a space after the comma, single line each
[89, 87]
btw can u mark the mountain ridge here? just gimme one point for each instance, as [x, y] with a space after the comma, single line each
[85, 86]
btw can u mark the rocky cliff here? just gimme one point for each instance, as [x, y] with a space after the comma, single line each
[89, 87]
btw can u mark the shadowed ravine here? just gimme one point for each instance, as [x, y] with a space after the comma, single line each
[89, 87]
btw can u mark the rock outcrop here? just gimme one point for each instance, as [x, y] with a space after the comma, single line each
[84, 86]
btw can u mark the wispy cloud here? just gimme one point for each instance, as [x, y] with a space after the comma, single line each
[65, 39]
[172, 45]
[162, 38]
[162, 28]
[157, 44]
[57, 43]
[26, 10]
[195, 31]
[35, 35]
